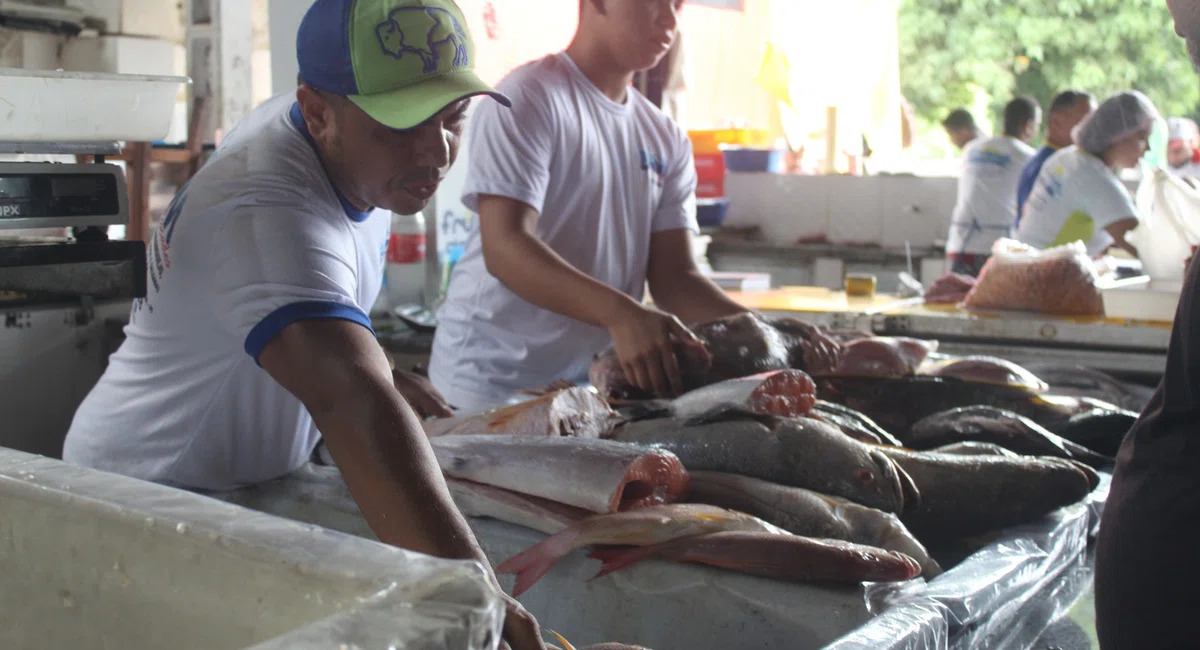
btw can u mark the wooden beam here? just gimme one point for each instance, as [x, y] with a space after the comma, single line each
[138, 178]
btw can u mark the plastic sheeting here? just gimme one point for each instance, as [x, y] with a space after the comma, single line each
[654, 604]
[92, 559]
[1001, 597]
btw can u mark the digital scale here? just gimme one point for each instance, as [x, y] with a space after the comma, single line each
[82, 198]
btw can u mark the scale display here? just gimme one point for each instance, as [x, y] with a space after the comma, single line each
[48, 195]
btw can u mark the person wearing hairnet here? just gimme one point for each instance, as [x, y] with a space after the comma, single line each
[1079, 195]
[1146, 574]
[1183, 147]
[987, 188]
[1067, 110]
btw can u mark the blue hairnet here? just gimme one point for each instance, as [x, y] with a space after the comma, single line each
[1122, 114]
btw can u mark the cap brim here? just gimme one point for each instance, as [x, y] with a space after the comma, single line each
[408, 107]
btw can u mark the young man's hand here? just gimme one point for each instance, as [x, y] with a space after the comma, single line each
[521, 631]
[645, 340]
[421, 395]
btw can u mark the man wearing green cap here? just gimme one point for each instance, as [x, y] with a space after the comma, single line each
[253, 340]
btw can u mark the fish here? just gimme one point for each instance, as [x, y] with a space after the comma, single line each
[1100, 429]
[576, 412]
[543, 515]
[896, 404]
[799, 452]
[975, 449]
[844, 336]
[852, 423]
[736, 346]
[990, 370]
[1082, 381]
[883, 356]
[642, 527]
[811, 514]
[962, 496]
[1004, 428]
[781, 557]
[786, 393]
[951, 288]
[600, 476]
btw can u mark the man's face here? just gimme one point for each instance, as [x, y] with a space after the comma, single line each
[1032, 127]
[386, 168]
[960, 137]
[638, 32]
[1187, 24]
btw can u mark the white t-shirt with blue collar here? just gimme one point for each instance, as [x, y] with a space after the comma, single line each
[257, 240]
[603, 176]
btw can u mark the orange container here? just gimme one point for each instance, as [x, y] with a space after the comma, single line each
[709, 141]
[710, 175]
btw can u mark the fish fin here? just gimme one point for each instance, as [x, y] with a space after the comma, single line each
[729, 413]
[529, 565]
[566, 644]
[618, 558]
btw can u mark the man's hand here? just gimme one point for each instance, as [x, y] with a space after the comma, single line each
[645, 341]
[421, 395]
[521, 631]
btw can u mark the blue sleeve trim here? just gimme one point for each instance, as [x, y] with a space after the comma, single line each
[273, 324]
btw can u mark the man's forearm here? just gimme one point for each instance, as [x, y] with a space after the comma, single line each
[394, 477]
[693, 298]
[533, 271]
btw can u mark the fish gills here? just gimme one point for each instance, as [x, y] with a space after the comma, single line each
[643, 527]
[600, 476]
[786, 557]
[573, 412]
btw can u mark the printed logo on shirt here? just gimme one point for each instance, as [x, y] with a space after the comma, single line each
[158, 255]
[438, 27]
[653, 164]
[383, 248]
[990, 157]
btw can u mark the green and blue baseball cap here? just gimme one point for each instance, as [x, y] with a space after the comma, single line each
[400, 61]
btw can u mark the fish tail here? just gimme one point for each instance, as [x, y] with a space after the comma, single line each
[615, 559]
[533, 563]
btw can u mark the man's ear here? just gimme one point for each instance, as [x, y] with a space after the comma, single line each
[317, 112]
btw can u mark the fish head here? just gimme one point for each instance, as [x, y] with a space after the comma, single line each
[892, 485]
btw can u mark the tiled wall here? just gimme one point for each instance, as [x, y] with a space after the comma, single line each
[881, 210]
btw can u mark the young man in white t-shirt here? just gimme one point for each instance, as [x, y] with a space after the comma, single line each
[987, 188]
[253, 341]
[585, 192]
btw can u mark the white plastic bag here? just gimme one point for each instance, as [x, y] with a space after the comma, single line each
[1169, 209]
[1059, 280]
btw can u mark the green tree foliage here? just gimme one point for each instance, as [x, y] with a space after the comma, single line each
[1039, 47]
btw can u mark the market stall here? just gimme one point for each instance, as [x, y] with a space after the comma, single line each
[1121, 345]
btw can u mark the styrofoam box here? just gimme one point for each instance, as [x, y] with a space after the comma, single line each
[1141, 299]
[55, 106]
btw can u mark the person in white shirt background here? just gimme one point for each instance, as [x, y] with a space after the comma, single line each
[960, 126]
[987, 188]
[585, 193]
[1079, 195]
[253, 343]
[1183, 147]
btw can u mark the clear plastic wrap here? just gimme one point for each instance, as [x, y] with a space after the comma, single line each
[1060, 280]
[1001, 597]
[140, 565]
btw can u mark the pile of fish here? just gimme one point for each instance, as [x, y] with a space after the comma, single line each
[830, 457]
